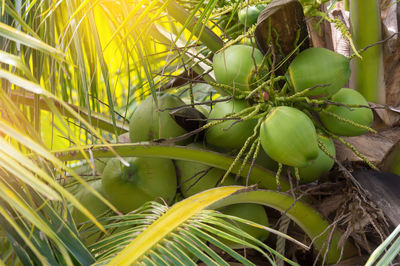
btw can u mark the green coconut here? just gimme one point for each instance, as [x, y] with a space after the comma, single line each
[251, 212]
[288, 136]
[149, 122]
[248, 16]
[265, 161]
[90, 202]
[145, 179]
[225, 135]
[235, 65]
[321, 66]
[100, 164]
[196, 177]
[95, 206]
[359, 115]
[321, 165]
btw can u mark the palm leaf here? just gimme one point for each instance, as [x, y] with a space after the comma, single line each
[205, 35]
[18, 36]
[384, 256]
[17, 62]
[99, 120]
[183, 240]
[156, 231]
[306, 217]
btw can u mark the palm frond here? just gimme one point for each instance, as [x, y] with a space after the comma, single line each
[387, 251]
[184, 242]
[18, 36]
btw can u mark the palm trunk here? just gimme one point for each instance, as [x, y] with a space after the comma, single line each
[367, 75]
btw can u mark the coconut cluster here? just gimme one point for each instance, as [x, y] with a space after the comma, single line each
[301, 115]
[166, 180]
[290, 119]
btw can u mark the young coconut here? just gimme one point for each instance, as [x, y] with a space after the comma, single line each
[235, 65]
[359, 115]
[265, 161]
[100, 164]
[230, 134]
[288, 136]
[94, 205]
[249, 211]
[145, 179]
[248, 16]
[321, 66]
[149, 122]
[321, 165]
[196, 177]
[90, 202]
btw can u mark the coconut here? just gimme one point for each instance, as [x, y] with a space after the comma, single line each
[359, 115]
[231, 133]
[235, 65]
[288, 136]
[321, 165]
[150, 122]
[251, 212]
[249, 15]
[145, 179]
[319, 66]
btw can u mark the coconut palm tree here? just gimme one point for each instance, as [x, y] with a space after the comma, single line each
[72, 73]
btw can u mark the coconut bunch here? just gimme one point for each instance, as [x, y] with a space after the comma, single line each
[275, 121]
[294, 115]
[145, 179]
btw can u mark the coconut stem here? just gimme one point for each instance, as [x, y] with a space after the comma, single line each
[231, 115]
[302, 93]
[245, 160]
[245, 145]
[297, 174]
[323, 148]
[247, 34]
[253, 146]
[348, 121]
[256, 152]
[265, 85]
[284, 89]
[277, 175]
[356, 152]
[229, 90]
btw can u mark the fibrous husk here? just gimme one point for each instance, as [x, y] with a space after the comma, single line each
[286, 18]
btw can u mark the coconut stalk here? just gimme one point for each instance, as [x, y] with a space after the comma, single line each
[366, 30]
[256, 174]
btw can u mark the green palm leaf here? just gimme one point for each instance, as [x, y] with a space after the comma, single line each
[176, 235]
[384, 256]
[18, 36]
